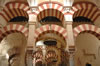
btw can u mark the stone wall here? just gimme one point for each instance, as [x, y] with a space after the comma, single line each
[13, 44]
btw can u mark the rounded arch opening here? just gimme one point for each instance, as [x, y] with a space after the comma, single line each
[19, 19]
[50, 19]
[53, 60]
[81, 19]
[55, 10]
[54, 32]
[50, 12]
[87, 42]
[55, 39]
[50, 16]
[18, 15]
[15, 9]
[82, 8]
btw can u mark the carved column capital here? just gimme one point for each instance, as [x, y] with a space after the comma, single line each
[71, 49]
[32, 23]
[68, 22]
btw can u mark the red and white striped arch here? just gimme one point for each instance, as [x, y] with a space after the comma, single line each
[87, 28]
[51, 55]
[14, 9]
[38, 60]
[50, 12]
[47, 28]
[86, 9]
[38, 55]
[12, 28]
[50, 9]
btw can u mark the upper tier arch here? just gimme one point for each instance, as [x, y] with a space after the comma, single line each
[14, 9]
[86, 9]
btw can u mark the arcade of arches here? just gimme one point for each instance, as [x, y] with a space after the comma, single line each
[49, 33]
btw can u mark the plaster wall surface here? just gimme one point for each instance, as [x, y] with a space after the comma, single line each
[87, 46]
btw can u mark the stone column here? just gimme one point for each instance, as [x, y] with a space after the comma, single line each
[34, 60]
[32, 26]
[70, 37]
[31, 35]
[71, 60]
[44, 54]
[70, 42]
[31, 40]
[29, 58]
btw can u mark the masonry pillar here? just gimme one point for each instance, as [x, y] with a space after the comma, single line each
[31, 35]
[70, 37]
[70, 42]
[71, 60]
[31, 40]
[34, 59]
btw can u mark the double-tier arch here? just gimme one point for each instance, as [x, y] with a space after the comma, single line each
[51, 9]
